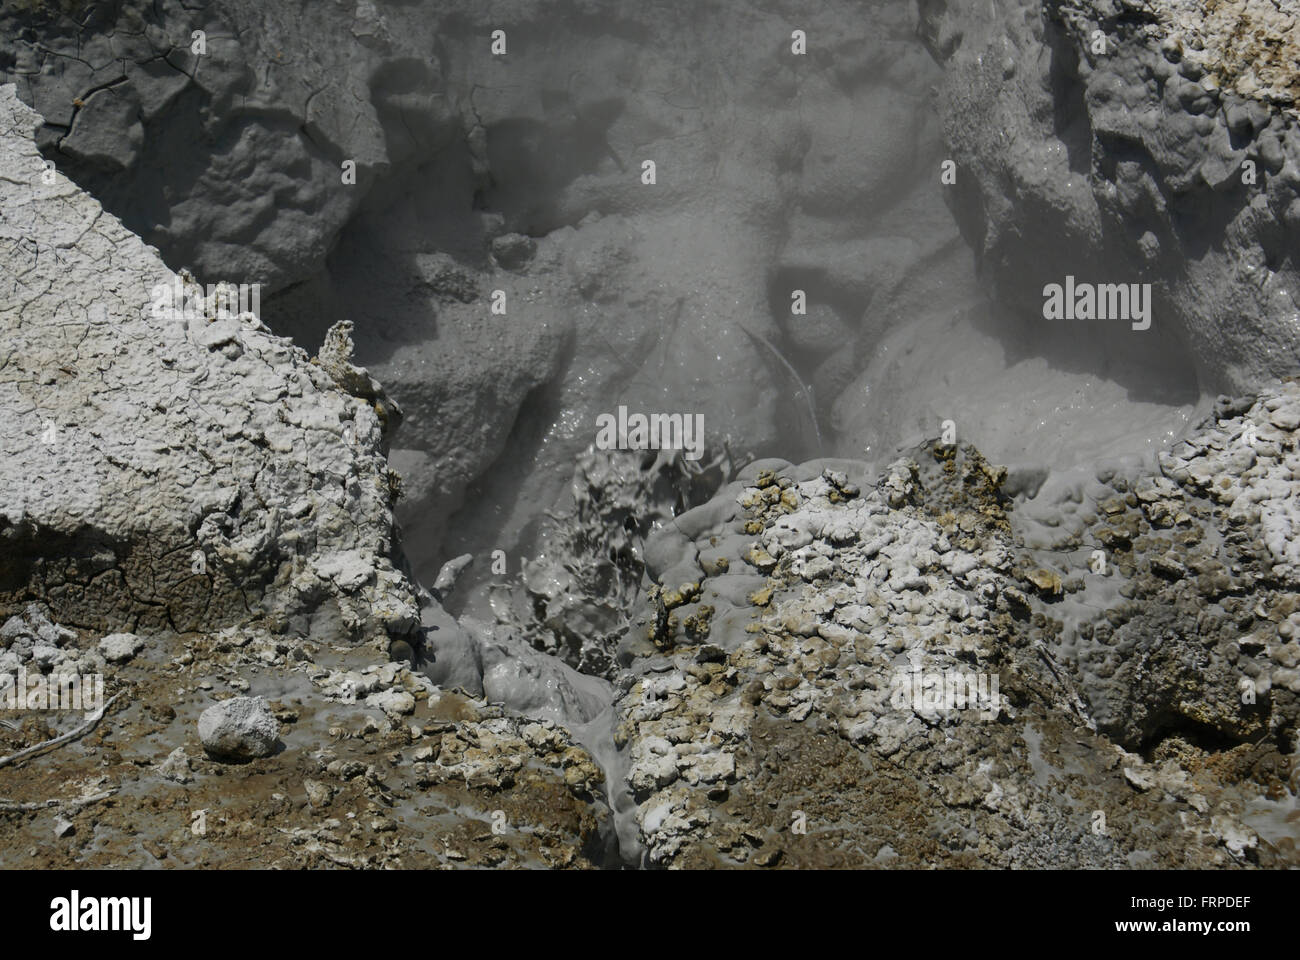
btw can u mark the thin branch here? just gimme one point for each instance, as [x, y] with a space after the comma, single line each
[805, 388]
[59, 741]
[9, 806]
[1075, 702]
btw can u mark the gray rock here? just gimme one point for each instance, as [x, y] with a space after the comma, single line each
[1121, 176]
[394, 703]
[46, 656]
[445, 582]
[200, 454]
[14, 628]
[51, 633]
[241, 728]
[120, 647]
[176, 767]
[35, 625]
[318, 794]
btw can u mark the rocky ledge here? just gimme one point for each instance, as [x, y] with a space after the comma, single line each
[170, 463]
[1139, 141]
[841, 669]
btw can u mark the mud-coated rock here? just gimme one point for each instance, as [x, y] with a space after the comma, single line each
[187, 468]
[239, 729]
[1125, 171]
[120, 647]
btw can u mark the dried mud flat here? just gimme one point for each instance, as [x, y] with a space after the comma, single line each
[449, 784]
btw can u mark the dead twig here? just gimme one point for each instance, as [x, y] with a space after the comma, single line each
[1075, 702]
[9, 806]
[59, 741]
[804, 388]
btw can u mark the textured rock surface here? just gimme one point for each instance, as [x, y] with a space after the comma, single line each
[241, 728]
[677, 678]
[1127, 165]
[517, 173]
[1195, 569]
[164, 472]
[812, 619]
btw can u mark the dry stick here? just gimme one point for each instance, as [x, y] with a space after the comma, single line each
[61, 740]
[8, 806]
[806, 388]
[1075, 702]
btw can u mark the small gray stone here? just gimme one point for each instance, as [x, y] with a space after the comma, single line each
[318, 794]
[239, 729]
[120, 647]
[42, 628]
[176, 767]
[46, 656]
[1140, 778]
[395, 703]
[54, 634]
[14, 628]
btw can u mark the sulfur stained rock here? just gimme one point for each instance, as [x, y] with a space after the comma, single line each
[920, 678]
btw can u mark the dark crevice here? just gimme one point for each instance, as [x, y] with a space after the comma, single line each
[1070, 122]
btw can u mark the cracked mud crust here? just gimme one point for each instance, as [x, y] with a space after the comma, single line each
[169, 472]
